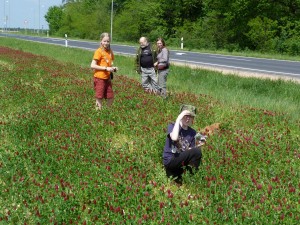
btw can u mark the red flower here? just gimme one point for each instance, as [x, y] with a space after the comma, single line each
[161, 205]
[292, 189]
[269, 189]
[220, 209]
[170, 195]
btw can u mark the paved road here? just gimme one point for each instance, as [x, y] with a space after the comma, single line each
[277, 68]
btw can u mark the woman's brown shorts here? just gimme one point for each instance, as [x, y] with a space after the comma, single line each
[103, 88]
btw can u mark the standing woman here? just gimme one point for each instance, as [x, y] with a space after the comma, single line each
[162, 66]
[102, 64]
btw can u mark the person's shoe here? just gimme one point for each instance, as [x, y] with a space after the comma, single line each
[178, 181]
[164, 97]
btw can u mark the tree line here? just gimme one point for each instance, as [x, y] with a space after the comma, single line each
[235, 25]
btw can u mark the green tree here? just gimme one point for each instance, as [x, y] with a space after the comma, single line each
[86, 19]
[54, 17]
[176, 14]
[261, 33]
[214, 24]
[138, 18]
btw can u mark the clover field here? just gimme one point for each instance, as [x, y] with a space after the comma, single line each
[63, 162]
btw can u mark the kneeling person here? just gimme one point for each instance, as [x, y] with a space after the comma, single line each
[181, 150]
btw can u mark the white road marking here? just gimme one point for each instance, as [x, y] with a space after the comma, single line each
[231, 58]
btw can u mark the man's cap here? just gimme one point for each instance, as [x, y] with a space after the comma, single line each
[190, 108]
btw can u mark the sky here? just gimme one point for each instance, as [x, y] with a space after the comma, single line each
[25, 13]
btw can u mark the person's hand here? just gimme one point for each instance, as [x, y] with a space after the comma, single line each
[200, 139]
[112, 69]
[109, 69]
[182, 114]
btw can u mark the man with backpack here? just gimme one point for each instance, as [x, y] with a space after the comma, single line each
[145, 58]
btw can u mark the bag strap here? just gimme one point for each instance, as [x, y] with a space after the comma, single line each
[104, 56]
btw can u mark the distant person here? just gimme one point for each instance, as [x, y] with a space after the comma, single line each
[145, 59]
[162, 66]
[181, 150]
[102, 64]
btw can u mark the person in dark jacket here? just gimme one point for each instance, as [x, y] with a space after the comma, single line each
[145, 58]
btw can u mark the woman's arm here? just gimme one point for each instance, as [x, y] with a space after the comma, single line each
[175, 132]
[164, 56]
[95, 66]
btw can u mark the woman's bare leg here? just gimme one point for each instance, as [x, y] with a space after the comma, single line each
[98, 103]
[110, 102]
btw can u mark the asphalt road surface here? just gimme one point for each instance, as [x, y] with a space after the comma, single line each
[233, 64]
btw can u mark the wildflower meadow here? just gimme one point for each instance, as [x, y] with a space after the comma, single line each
[63, 162]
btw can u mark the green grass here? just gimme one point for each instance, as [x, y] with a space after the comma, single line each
[62, 162]
[275, 95]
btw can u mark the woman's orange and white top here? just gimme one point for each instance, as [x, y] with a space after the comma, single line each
[104, 58]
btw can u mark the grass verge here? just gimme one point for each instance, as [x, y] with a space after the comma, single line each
[275, 95]
[63, 162]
